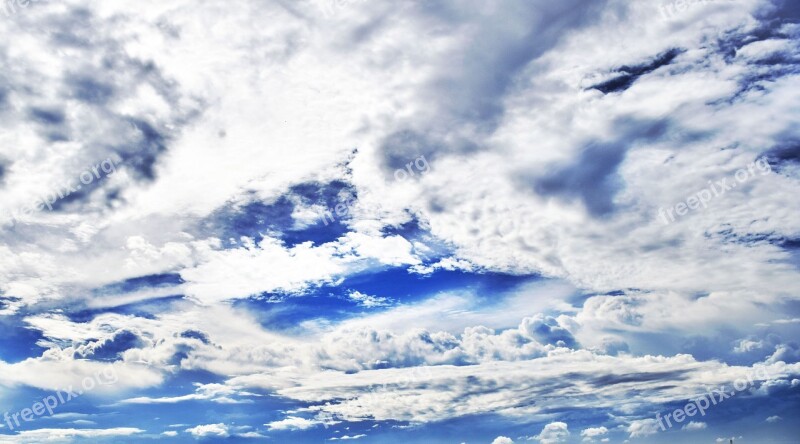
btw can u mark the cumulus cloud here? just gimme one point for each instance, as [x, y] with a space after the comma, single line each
[292, 423]
[593, 432]
[553, 433]
[643, 427]
[547, 330]
[695, 425]
[205, 430]
[368, 301]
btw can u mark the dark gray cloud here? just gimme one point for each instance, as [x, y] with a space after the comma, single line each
[472, 83]
[627, 75]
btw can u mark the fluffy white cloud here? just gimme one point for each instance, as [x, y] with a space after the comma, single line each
[241, 345]
[643, 427]
[695, 425]
[593, 432]
[368, 300]
[343, 371]
[292, 423]
[226, 274]
[55, 371]
[553, 433]
[205, 430]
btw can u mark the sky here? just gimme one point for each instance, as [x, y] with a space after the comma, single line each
[422, 221]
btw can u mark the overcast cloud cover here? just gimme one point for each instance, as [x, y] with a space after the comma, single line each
[410, 221]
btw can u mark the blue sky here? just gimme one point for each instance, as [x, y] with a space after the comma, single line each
[432, 221]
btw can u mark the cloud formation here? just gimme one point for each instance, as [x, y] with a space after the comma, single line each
[352, 220]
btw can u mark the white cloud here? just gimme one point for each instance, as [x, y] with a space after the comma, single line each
[201, 431]
[643, 427]
[368, 301]
[553, 433]
[593, 432]
[503, 440]
[293, 423]
[694, 425]
[228, 341]
[254, 435]
[55, 372]
[237, 273]
[764, 49]
[390, 394]
[748, 345]
[218, 393]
